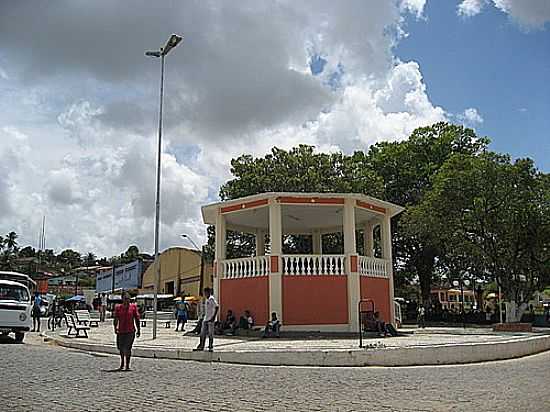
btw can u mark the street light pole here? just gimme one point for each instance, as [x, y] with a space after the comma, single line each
[186, 236]
[173, 41]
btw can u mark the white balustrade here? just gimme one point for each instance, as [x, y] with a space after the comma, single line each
[313, 265]
[246, 267]
[373, 267]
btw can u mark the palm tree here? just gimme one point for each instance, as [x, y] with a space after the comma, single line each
[90, 259]
[11, 240]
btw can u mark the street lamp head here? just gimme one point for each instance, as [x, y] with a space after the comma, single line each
[455, 283]
[172, 42]
[152, 53]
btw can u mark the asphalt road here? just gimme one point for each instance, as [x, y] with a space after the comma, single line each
[36, 376]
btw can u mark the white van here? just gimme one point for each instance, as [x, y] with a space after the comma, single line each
[15, 309]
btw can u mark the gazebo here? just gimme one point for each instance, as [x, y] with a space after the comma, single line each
[309, 292]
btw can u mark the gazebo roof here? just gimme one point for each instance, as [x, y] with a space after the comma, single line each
[301, 212]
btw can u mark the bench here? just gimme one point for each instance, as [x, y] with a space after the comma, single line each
[163, 317]
[95, 318]
[83, 317]
[73, 325]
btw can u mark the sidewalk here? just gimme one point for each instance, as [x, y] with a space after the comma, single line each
[428, 346]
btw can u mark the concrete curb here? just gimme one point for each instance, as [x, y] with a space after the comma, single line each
[405, 356]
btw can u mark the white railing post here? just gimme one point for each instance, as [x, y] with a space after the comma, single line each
[246, 267]
[373, 267]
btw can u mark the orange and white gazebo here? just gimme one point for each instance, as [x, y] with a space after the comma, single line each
[310, 292]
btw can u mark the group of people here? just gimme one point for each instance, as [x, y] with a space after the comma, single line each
[126, 323]
[246, 322]
[230, 324]
[373, 322]
[100, 304]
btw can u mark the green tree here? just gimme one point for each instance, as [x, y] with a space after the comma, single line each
[11, 241]
[131, 254]
[407, 169]
[27, 252]
[90, 259]
[300, 169]
[490, 217]
[69, 259]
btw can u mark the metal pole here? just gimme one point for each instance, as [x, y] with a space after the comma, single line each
[360, 324]
[499, 304]
[157, 210]
[462, 293]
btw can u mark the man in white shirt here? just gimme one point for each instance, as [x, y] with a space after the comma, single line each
[210, 311]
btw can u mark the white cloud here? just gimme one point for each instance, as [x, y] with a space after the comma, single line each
[470, 117]
[242, 86]
[469, 8]
[529, 14]
[413, 6]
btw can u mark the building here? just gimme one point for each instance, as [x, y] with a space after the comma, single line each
[314, 291]
[181, 271]
[126, 277]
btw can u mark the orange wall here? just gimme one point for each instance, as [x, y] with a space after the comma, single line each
[245, 294]
[377, 289]
[315, 300]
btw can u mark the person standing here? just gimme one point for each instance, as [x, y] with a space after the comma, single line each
[210, 311]
[127, 327]
[103, 307]
[421, 316]
[181, 313]
[36, 314]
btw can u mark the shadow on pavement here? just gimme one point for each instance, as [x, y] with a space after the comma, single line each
[7, 340]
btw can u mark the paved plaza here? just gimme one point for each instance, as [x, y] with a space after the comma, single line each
[168, 338]
[36, 376]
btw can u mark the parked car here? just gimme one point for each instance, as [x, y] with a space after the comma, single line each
[15, 309]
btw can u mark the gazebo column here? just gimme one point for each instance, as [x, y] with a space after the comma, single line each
[368, 239]
[317, 245]
[350, 251]
[385, 229]
[275, 277]
[219, 254]
[260, 242]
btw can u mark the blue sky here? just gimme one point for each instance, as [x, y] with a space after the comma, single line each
[79, 100]
[488, 62]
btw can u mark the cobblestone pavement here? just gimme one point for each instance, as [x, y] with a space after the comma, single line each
[36, 376]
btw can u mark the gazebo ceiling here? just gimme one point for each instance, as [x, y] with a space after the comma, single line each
[300, 212]
[297, 218]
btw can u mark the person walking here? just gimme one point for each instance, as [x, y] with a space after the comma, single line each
[103, 307]
[127, 327]
[210, 311]
[36, 314]
[181, 313]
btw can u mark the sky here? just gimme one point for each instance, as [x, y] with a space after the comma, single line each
[79, 100]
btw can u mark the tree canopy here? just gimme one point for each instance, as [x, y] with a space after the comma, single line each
[467, 210]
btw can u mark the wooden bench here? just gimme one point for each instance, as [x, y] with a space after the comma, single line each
[162, 317]
[73, 325]
[83, 318]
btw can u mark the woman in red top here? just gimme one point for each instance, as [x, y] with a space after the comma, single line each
[126, 323]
